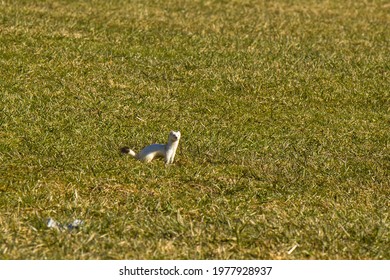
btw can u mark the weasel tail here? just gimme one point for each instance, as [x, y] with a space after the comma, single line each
[166, 151]
[128, 151]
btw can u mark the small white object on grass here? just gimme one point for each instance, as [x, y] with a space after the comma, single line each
[51, 223]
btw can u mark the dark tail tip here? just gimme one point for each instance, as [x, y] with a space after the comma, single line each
[125, 150]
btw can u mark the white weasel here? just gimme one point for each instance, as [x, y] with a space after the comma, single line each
[167, 151]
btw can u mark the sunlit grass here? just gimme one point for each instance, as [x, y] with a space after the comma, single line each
[284, 113]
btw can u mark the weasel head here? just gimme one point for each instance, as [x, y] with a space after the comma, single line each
[174, 136]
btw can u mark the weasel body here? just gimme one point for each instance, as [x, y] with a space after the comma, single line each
[167, 151]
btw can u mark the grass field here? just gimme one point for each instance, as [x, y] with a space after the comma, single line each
[283, 108]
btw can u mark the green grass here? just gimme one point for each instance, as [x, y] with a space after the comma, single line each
[283, 108]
